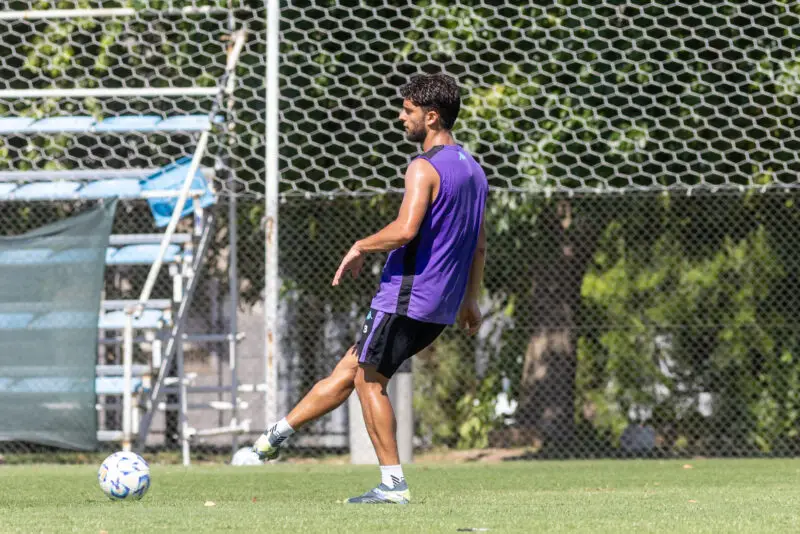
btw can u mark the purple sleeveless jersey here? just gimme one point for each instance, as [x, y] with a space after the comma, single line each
[427, 278]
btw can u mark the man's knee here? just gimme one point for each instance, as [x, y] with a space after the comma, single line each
[345, 370]
[368, 378]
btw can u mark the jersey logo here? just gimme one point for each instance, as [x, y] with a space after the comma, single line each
[461, 156]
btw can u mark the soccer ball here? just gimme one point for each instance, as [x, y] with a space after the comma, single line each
[124, 476]
[245, 456]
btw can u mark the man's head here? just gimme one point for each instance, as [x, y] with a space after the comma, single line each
[431, 102]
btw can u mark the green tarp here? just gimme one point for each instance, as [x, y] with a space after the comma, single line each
[51, 281]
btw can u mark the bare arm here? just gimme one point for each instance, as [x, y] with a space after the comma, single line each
[475, 279]
[469, 316]
[421, 181]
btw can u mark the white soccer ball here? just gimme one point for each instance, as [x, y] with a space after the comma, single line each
[124, 476]
[246, 456]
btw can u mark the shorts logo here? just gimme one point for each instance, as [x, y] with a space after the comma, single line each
[369, 315]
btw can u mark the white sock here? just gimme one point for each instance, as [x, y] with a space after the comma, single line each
[278, 432]
[392, 475]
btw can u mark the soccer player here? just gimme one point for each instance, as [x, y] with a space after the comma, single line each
[432, 279]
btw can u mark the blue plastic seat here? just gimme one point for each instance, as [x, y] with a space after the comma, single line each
[137, 369]
[128, 123]
[115, 320]
[171, 178]
[188, 123]
[74, 255]
[15, 124]
[80, 123]
[142, 254]
[103, 385]
[7, 189]
[49, 384]
[115, 385]
[47, 190]
[119, 124]
[37, 256]
[24, 256]
[14, 321]
[64, 319]
[117, 187]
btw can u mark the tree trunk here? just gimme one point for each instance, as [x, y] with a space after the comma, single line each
[546, 412]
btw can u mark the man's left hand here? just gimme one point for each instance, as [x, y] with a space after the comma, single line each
[469, 316]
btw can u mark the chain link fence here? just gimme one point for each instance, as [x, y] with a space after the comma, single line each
[642, 159]
[163, 59]
[641, 274]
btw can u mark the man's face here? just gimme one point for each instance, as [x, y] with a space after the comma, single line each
[413, 119]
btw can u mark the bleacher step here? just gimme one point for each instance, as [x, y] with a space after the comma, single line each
[161, 304]
[132, 254]
[119, 124]
[116, 240]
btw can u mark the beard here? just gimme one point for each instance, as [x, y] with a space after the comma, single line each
[416, 134]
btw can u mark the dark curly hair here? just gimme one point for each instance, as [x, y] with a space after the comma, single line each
[435, 92]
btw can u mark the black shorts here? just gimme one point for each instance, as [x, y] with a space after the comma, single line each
[388, 339]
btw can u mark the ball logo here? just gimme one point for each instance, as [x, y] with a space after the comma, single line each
[120, 491]
[144, 485]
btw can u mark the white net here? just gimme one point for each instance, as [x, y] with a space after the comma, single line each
[575, 96]
[587, 96]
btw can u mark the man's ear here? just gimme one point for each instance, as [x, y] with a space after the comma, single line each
[432, 119]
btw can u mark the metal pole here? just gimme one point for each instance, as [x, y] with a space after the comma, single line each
[233, 269]
[233, 280]
[176, 332]
[173, 222]
[127, 371]
[215, 348]
[108, 93]
[271, 286]
[183, 423]
[39, 14]
[401, 393]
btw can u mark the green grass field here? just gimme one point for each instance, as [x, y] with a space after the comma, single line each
[586, 496]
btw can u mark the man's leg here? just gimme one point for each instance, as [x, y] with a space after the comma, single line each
[382, 428]
[378, 413]
[326, 395]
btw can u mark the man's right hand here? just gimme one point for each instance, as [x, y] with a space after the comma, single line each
[469, 316]
[353, 262]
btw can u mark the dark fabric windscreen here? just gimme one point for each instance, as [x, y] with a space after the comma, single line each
[51, 282]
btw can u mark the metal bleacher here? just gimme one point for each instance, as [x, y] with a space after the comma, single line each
[152, 325]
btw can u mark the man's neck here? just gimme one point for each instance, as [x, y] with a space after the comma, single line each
[438, 138]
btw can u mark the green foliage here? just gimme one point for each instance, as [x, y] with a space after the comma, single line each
[675, 325]
[476, 411]
[454, 406]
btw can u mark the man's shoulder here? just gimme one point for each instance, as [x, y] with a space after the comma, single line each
[432, 152]
[422, 167]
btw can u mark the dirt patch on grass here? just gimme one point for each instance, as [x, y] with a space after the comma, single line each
[489, 456]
